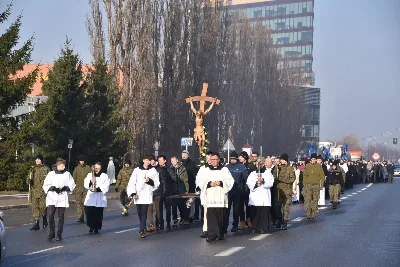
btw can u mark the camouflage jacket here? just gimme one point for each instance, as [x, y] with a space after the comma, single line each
[80, 173]
[313, 174]
[123, 178]
[284, 176]
[37, 174]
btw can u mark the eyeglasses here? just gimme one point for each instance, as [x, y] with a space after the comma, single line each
[214, 159]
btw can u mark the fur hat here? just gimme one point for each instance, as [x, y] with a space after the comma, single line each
[285, 156]
[244, 155]
[313, 156]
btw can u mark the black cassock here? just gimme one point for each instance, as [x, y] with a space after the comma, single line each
[260, 218]
[94, 217]
[216, 225]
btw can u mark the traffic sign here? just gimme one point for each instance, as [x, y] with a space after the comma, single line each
[69, 145]
[395, 141]
[70, 141]
[376, 156]
[186, 141]
[229, 144]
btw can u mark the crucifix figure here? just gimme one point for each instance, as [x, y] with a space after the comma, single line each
[199, 135]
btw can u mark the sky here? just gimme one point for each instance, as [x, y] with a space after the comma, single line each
[356, 57]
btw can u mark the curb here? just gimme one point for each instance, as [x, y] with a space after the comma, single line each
[21, 206]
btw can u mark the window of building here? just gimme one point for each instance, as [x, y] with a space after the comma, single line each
[309, 6]
[307, 36]
[257, 13]
[281, 11]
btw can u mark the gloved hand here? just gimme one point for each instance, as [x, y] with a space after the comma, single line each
[133, 194]
[116, 189]
[98, 189]
[52, 188]
[57, 190]
[31, 181]
[66, 188]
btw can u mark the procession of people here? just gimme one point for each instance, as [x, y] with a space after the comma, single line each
[258, 191]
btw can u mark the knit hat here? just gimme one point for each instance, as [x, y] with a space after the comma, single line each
[234, 155]
[39, 156]
[313, 156]
[81, 158]
[185, 152]
[128, 162]
[244, 155]
[285, 157]
[319, 157]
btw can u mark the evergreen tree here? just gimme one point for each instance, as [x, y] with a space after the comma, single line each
[13, 92]
[61, 117]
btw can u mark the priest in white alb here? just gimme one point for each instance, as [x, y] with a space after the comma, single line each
[96, 200]
[217, 182]
[259, 184]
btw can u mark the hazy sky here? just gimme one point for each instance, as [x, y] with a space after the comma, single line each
[356, 57]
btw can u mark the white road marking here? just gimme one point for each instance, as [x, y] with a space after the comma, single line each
[259, 237]
[359, 191]
[298, 219]
[349, 195]
[8, 227]
[322, 208]
[369, 184]
[364, 189]
[344, 198]
[354, 193]
[43, 250]
[127, 230]
[27, 224]
[229, 252]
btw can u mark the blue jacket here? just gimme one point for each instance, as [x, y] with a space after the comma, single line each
[239, 174]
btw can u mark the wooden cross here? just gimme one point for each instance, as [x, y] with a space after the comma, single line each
[203, 98]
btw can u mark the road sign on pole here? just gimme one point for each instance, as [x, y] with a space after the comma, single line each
[186, 141]
[70, 141]
[394, 141]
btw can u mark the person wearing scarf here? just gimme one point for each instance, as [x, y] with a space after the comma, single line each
[58, 184]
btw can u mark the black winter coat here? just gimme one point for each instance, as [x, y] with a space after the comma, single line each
[166, 183]
[192, 170]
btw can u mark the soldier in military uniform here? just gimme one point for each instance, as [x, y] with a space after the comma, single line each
[313, 180]
[80, 173]
[122, 182]
[284, 177]
[35, 180]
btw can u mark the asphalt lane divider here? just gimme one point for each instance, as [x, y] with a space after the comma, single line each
[127, 230]
[229, 252]
[259, 237]
[43, 250]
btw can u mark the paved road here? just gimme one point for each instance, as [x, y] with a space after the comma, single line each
[364, 231]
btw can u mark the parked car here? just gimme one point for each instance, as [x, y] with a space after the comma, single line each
[2, 239]
[397, 170]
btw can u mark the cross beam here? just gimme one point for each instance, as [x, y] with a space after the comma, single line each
[203, 98]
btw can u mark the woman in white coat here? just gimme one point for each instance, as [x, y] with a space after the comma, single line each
[57, 185]
[260, 197]
[96, 200]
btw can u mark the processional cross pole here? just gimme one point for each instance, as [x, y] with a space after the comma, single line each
[199, 135]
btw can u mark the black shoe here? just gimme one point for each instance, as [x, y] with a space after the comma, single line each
[204, 234]
[51, 236]
[168, 225]
[91, 231]
[284, 226]
[190, 220]
[308, 218]
[338, 202]
[334, 206]
[35, 227]
[186, 222]
[96, 231]
[234, 229]
[210, 239]
[142, 235]
[45, 223]
[80, 220]
[59, 238]
[263, 232]
[221, 237]
[278, 225]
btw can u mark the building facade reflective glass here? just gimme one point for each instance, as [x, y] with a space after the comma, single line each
[291, 25]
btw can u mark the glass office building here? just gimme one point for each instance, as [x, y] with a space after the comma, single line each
[291, 24]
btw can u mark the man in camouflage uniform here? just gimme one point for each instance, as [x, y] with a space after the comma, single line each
[284, 177]
[80, 173]
[35, 180]
[122, 182]
[313, 181]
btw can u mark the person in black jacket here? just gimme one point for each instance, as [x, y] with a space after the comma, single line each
[161, 194]
[192, 170]
[334, 179]
[239, 173]
[244, 158]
